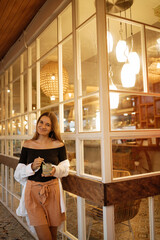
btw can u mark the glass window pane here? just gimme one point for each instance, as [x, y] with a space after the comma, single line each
[33, 119]
[25, 60]
[71, 153]
[125, 54]
[153, 59]
[34, 88]
[137, 212]
[91, 114]
[94, 221]
[71, 210]
[16, 97]
[16, 148]
[49, 80]
[87, 54]
[16, 69]
[65, 22]
[69, 117]
[68, 73]
[25, 124]
[134, 112]
[25, 92]
[9, 99]
[3, 104]
[84, 9]
[48, 39]
[16, 126]
[92, 157]
[32, 50]
[2, 128]
[135, 156]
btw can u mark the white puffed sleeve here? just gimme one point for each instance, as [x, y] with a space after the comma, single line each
[62, 169]
[22, 172]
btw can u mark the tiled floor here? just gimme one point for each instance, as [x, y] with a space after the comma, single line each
[10, 228]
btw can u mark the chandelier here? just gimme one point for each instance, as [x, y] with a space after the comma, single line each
[49, 82]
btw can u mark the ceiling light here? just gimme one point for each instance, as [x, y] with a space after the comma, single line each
[109, 42]
[49, 81]
[128, 77]
[122, 51]
[134, 61]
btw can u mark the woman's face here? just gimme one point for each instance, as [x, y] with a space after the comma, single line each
[44, 126]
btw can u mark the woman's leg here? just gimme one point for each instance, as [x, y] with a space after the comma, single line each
[43, 232]
[53, 231]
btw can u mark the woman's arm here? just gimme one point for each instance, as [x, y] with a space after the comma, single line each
[62, 169]
[22, 172]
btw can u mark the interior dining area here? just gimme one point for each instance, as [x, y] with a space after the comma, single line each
[96, 65]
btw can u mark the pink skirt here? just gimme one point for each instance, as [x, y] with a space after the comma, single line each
[42, 202]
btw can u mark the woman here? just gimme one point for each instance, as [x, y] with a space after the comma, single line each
[42, 199]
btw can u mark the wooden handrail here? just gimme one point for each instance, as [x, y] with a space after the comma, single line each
[104, 194]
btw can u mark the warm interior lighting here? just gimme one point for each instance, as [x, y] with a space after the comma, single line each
[109, 42]
[49, 80]
[122, 51]
[158, 65]
[128, 77]
[158, 41]
[114, 97]
[134, 61]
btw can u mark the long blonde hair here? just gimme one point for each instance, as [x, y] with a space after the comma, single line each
[55, 131]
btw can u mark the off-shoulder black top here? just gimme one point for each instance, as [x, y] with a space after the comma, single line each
[52, 155]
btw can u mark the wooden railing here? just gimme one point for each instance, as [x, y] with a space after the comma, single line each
[104, 194]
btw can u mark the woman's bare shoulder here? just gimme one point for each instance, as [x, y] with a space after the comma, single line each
[28, 143]
[57, 144]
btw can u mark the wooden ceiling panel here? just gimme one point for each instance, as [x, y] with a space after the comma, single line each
[15, 15]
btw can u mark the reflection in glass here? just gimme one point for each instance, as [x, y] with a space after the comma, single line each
[91, 114]
[9, 99]
[34, 89]
[71, 214]
[3, 104]
[16, 148]
[25, 92]
[33, 119]
[32, 49]
[84, 10]
[92, 157]
[67, 59]
[25, 124]
[124, 60]
[16, 126]
[135, 156]
[87, 53]
[137, 212]
[69, 117]
[135, 112]
[49, 80]
[25, 60]
[16, 97]
[65, 23]
[94, 221]
[48, 38]
[16, 69]
[153, 59]
[71, 154]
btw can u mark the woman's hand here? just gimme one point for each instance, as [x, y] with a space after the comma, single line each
[37, 163]
[51, 173]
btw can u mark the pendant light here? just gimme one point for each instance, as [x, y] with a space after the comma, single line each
[114, 97]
